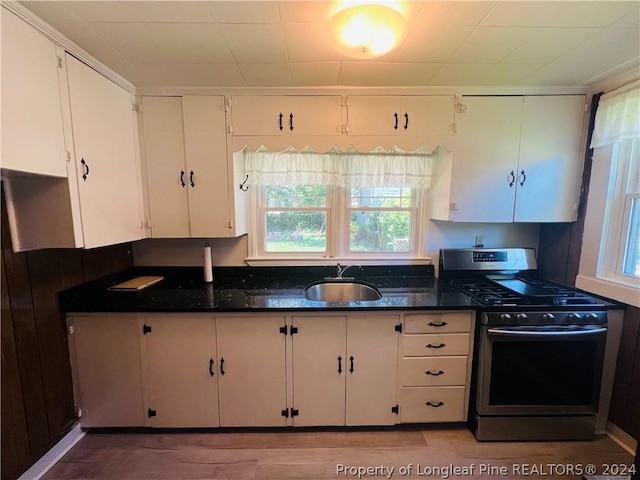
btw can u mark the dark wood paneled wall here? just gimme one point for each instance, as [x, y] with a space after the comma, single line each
[37, 395]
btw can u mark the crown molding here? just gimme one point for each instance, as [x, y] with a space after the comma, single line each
[70, 47]
[617, 81]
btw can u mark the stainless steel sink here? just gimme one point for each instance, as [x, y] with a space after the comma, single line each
[342, 291]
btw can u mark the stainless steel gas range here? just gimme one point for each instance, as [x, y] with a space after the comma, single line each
[540, 347]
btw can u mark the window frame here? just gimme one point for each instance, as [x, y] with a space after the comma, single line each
[608, 212]
[338, 222]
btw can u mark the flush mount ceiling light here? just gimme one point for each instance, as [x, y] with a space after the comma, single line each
[367, 31]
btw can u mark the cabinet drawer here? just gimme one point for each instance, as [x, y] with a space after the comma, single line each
[432, 371]
[432, 404]
[448, 344]
[458, 322]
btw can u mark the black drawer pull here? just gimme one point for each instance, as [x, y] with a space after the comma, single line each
[85, 174]
[442, 345]
[406, 120]
[351, 367]
[211, 367]
[222, 366]
[280, 122]
[395, 126]
[441, 324]
[339, 364]
[435, 374]
[434, 405]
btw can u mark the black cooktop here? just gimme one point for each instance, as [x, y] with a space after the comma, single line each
[497, 290]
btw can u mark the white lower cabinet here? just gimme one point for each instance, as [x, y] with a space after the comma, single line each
[251, 365]
[182, 388]
[344, 369]
[434, 367]
[106, 352]
[265, 370]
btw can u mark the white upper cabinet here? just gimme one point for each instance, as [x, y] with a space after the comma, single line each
[286, 115]
[400, 115]
[550, 162]
[105, 145]
[188, 171]
[32, 133]
[517, 159]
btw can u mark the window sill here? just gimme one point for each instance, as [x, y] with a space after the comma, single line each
[625, 293]
[303, 262]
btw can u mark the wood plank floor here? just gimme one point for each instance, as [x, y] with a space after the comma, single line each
[316, 454]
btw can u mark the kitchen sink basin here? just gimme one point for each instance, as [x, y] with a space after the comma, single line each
[339, 290]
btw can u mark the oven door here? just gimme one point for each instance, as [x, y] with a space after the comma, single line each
[543, 370]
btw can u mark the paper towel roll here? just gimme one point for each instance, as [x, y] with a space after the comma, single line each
[208, 266]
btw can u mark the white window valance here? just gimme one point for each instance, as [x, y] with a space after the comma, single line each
[350, 167]
[618, 116]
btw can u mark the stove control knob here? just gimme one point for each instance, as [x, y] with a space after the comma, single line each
[574, 317]
[505, 317]
[590, 317]
[548, 317]
[521, 316]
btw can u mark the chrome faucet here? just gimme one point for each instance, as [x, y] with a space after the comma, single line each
[342, 269]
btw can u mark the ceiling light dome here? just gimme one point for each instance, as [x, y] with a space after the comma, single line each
[367, 31]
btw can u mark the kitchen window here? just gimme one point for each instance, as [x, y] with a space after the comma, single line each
[336, 205]
[610, 260]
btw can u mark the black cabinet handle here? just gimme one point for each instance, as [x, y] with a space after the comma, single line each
[211, 367]
[182, 178]
[441, 324]
[351, 367]
[280, 121]
[513, 178]
[524, 178]
[406, 120]
[434, 405]
[339, 364]
[291, 122]
[191, 179]
[395, 126]
[86, 170]
[436, 346]
[222, 366]
[435, 374]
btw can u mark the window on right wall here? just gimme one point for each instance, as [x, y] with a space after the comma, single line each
[610, 259]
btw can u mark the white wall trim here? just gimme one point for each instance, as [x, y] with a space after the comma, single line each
[50, 458]
[622, 438]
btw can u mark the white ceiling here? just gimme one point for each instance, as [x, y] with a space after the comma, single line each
[284, 43]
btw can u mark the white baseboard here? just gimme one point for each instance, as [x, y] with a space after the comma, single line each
[622, 438]
[50, 458]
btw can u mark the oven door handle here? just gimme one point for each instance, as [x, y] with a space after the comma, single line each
[545, 332]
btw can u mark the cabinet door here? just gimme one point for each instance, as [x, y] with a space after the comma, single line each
[393, 115]
[550, 166]
[485, 166]
[251, 368]
[374, 115]
[320, 366]
[108, 370]
[108, 173]
[32, 133]
[372, 357]
[166, 170]
[286, 115]
[182, 380]
[427, 115]
[207, 166]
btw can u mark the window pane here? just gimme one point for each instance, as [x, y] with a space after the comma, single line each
[376, 197]
[632, 248]
[380, 231]
[299, 231]
[295, 196]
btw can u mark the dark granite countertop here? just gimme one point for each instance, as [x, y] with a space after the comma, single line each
[242, 289]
